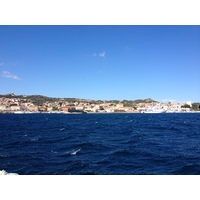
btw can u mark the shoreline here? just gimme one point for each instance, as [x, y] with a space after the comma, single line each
[71, 113]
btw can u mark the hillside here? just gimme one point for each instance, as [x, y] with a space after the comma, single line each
[40, 99]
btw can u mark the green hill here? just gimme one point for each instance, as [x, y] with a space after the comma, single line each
[40, 99]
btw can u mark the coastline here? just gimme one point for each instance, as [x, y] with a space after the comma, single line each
[75, 113]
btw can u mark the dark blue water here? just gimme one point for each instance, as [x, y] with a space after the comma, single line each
[105, 143]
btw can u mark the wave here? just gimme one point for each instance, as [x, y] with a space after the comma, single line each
[3, 172]
[116, 144]
[74, 152]
[189, 169]
[71, 152]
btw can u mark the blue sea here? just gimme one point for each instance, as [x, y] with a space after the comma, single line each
[100, 144]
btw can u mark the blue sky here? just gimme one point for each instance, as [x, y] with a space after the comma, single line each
[101, 62]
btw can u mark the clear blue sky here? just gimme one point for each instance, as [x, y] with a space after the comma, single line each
[101, 62]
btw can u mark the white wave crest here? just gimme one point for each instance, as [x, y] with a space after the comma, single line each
[3, 172]
[75, 152]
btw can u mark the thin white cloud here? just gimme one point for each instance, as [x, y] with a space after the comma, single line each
[102, 54]
[7, 74]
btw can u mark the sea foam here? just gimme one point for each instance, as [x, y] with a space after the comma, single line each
[3, 172]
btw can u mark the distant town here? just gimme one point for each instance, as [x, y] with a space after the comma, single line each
[11, 103]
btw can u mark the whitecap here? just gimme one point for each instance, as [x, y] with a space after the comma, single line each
[3, 156]
[53, 151]
[3, 172]
[75, 152]
[35, 139]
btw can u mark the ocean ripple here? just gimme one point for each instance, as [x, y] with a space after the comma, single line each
[100, 144]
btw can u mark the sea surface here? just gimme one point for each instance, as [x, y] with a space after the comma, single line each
[100, 144]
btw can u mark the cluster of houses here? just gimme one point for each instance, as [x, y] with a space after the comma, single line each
[14, 105]
[9, 105]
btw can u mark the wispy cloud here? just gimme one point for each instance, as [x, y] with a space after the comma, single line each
[1, 64]
[7, 74]
[102, 54]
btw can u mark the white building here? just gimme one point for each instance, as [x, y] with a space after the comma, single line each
[189, 103]
[2, 107]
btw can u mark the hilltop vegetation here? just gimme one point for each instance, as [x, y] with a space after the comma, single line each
[40, 100]
[196, 106]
